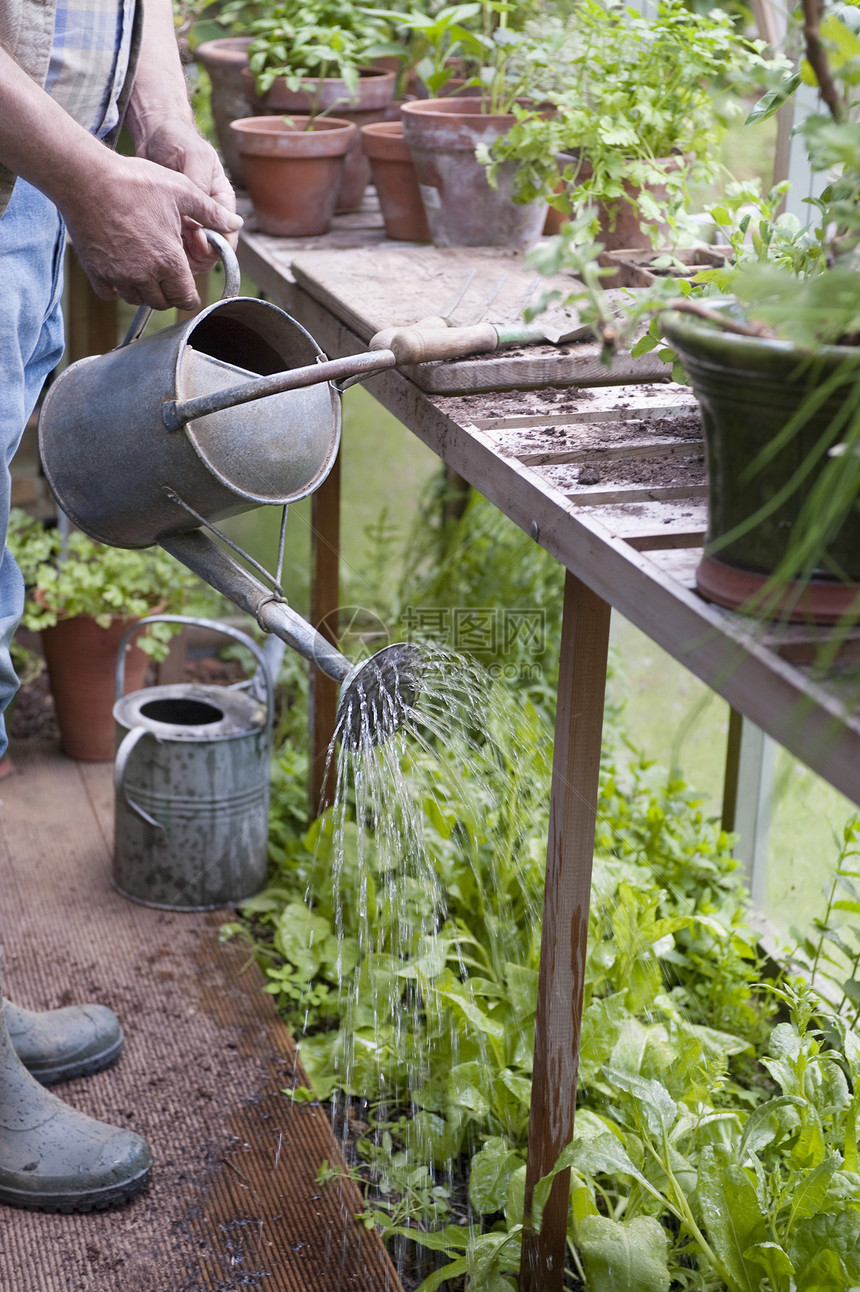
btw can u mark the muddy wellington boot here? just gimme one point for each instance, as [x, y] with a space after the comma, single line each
[53, 1158]
[61, 1044]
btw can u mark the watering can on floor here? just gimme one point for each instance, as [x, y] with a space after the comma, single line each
[191, 782]
[173, 431]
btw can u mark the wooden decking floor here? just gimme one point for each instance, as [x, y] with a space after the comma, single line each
[233, 1202]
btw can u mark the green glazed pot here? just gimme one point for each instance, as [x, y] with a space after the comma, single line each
[748, 388]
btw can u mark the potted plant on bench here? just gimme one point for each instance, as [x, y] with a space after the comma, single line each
[641, 109]
[502, 66]
[772, 350]
[312, 64]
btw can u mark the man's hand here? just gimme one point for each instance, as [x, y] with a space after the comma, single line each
[135, 221]
[179, 146]
[136, 226]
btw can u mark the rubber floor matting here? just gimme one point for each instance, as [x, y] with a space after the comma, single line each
[233, 1202]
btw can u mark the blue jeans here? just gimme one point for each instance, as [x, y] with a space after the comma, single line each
[32, 240]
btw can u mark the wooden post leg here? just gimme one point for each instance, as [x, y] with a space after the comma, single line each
[325, 599]
[570, 851]
[91, 323]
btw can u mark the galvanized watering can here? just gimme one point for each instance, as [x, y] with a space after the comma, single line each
[191, 782]
[232, 409]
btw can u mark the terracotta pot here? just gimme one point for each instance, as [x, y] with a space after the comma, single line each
[620, 227]
[370, 101]
[294, 175]
[396, 182]
[462, 209]
[81, 659]
[233, 94]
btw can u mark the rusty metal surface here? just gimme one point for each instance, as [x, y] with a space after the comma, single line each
[234, 1201]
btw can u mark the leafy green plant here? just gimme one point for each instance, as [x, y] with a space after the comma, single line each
[434, 41]
[413, 988]
[641, 105]
[666, 898]
[303, 40]
[212, 19]
[413, 985]
[483, 43]
[77, 576]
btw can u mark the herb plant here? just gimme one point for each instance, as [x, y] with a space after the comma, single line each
[641, 104]
[303, 41]
[482, 42]
[694, 1111]
[435, 42]
[664, 1045]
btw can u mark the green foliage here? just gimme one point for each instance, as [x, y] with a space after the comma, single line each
[435, 42]
[659, 1037]
[78, 576]
[482, 42]
[641, 104]
[301, 40]
[712, 1151]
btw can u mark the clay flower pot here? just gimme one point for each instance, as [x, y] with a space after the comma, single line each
[81, 659]
[749, 389]
[462, 209]
[396, 183]
[294, 171]
[370, 101]
[620, 227]
[233, 94]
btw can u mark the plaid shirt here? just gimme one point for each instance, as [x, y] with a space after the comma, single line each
[89, 60]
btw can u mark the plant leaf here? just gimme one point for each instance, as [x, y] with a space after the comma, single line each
[771, 102]
[623, 1257]
[732, 1217]
[808, 1195]
[773, 1260]
[490, 1173]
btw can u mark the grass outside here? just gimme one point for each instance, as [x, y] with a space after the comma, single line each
[679, 721]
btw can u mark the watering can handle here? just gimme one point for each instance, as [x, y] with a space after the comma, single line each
[232, 278]
[190, 621]
[123, 754]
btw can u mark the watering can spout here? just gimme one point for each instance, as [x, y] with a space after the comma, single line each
[376, 695]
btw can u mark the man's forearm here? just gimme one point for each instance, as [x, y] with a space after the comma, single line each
[160, 94]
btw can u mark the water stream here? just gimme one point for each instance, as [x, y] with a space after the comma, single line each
[426, 825]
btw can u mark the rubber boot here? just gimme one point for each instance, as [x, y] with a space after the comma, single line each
[53, 1158]
[60, 1044]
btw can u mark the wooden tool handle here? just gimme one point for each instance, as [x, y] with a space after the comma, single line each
[432, 325]
[422, 345]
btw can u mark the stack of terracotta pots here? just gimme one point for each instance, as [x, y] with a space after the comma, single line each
[309, 154]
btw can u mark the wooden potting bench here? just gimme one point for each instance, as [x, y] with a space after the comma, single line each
[610, 481]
